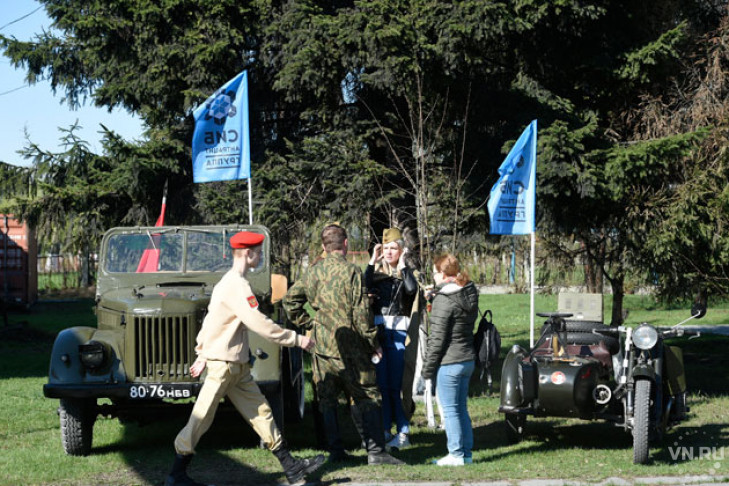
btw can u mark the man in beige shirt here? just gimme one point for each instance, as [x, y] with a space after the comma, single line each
[222, 348]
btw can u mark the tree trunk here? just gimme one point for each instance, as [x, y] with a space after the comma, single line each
[85, 267]
[599, 276]
[497, 271]
[593, 270]
[526, 268]
[618, 294]
[590, 275]
[6, 323]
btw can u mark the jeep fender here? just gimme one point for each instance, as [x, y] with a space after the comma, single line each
[66, 367]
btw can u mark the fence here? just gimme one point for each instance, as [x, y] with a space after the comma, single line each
[505, 269]
[60, 272]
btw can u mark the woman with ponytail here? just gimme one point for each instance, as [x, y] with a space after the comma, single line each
[450, 356]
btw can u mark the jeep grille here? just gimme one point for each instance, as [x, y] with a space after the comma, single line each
[164, 347]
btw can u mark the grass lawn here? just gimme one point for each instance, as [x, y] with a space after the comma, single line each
[127, 454]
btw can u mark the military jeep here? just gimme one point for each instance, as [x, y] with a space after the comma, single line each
[153, 288]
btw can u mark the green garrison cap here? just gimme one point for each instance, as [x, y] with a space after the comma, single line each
[390, 235]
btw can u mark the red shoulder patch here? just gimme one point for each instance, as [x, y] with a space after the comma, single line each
[252, 301]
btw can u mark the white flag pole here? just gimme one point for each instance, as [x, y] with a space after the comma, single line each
[250, 200]
[429, 412]
[531, 313]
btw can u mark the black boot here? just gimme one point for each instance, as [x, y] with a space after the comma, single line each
[373, 436]
[178, 476]
[357, 419]
[297, 469]
[334, 439]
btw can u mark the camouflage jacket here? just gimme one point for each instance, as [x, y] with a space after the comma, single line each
[343, 323]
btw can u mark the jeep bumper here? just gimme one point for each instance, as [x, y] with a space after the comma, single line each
[132, 391]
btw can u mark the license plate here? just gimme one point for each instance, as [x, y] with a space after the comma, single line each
[160, 391]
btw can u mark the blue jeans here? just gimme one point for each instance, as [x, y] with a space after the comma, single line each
[389, 380]
[452, 390]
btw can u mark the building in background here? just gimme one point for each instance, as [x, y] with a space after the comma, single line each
[18, 262]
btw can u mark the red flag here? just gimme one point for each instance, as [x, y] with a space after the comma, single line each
[150, 257]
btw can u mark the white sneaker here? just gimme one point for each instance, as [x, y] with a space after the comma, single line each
[400, 441]
[450, 460]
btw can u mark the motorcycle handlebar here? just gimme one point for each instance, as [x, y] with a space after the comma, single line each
[614, 331]
[680, 332]
[607, 330]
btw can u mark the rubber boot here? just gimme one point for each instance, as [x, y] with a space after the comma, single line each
[297, 469]
[357, 420]
[178, 476]
[334, 439]
[374, 436]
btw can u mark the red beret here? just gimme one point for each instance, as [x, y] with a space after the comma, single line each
[246, 239]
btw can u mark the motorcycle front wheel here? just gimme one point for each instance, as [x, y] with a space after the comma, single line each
[641, 421]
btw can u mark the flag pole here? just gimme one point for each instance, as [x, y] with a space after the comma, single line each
[161, 218]
[429, 412]
[250, 201]
[512, 203]
[531, 313]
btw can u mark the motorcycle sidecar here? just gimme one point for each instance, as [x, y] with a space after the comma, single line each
[557, 378]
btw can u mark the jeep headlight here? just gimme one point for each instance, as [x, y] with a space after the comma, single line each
[92, 354]
[645, 336]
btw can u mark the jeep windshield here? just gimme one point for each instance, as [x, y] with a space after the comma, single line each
[170, 251]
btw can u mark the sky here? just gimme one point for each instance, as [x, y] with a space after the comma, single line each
[35, 108]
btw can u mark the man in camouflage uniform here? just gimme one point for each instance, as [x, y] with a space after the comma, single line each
[345, 342]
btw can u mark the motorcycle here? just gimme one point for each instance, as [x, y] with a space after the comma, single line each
[587, 370]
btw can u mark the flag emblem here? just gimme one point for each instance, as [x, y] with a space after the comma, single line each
[221, 149]
[252, 301]
[221, 107]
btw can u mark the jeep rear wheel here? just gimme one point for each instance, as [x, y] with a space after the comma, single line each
[77, 425]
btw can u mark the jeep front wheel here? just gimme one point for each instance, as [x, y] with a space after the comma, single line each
[77, 425]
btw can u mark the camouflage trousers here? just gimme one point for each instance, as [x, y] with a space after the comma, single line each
[357, 381]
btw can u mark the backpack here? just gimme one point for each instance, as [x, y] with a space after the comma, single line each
[487, 342]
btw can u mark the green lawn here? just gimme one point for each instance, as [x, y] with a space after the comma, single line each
[31, 453]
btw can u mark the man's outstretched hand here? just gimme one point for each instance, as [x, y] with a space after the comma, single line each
[197, 367]
[306, 343]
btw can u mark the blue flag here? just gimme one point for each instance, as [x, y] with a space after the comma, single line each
[513, 198]
[221, 148]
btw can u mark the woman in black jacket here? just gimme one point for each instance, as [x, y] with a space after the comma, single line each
[393, 288]
[450, 356]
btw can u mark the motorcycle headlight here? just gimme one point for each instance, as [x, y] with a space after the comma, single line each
[92, 354]
[645, 336]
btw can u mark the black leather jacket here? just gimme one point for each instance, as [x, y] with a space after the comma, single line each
[393, 297]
